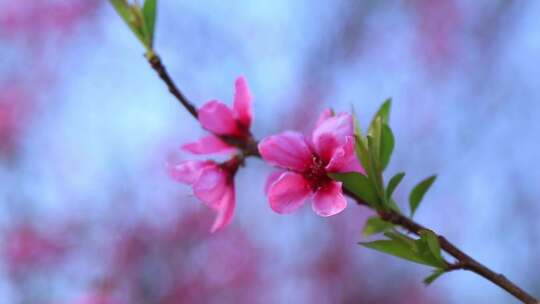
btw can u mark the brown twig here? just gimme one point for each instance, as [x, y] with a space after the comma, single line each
[156, 64]
[464, 261]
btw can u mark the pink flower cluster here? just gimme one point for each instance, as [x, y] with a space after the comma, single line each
[303, 163]
[212, 182]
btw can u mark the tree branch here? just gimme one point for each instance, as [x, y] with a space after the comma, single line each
[464, 261]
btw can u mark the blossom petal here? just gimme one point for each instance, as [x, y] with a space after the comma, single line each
[331, 133]
[217, 118]
[326, 113]
[211, 186]
[344, 158]
[271, 179]
[327, 144]
[288, 192]
[188, 171]
[242, 102]
[329, 200]
[225, 212]
[208, 145]
[288, 150]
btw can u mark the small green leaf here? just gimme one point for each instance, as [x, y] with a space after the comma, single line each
[433, 243]
[386, 145]
[384, 111]
[374, 172]
[427, 255]
[376, 225]
[375, 132]
[397, 236]
[420, 247]
[362, 153]
[149, 14]
[131, 14]
[359, 185]
[122, 8]
[417, 194]
[396, 248]
[136, 23]
[415, 250]
[434, 275]
[366, 159]
[374, 137]
[393, 205]
[393, 183]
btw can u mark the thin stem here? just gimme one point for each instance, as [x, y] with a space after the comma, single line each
[156, 64]
[464, 261]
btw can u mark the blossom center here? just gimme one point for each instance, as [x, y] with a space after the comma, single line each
[316, 174]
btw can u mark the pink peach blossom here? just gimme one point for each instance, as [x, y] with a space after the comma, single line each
[306, 163]
[219, 119]
[212, 183]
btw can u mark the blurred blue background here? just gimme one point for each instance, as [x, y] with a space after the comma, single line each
[88, 213]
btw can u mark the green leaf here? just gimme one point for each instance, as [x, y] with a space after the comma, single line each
[362, 153]
[376, 225]
[372, 175]
[359, 185]
[122, 8]
[149, 14]
[393, 205]
[419, 247]
[384, 111]
[427, 255]
[396, 235]
[433, 243]
[434, 275]
[131, 15]
[375, 128]
[396, 248]
[374, 137]
[374, 172]
[418, 192]
[386, 145]
[393, 183]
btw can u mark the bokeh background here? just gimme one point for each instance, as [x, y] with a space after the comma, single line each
[88, 214]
